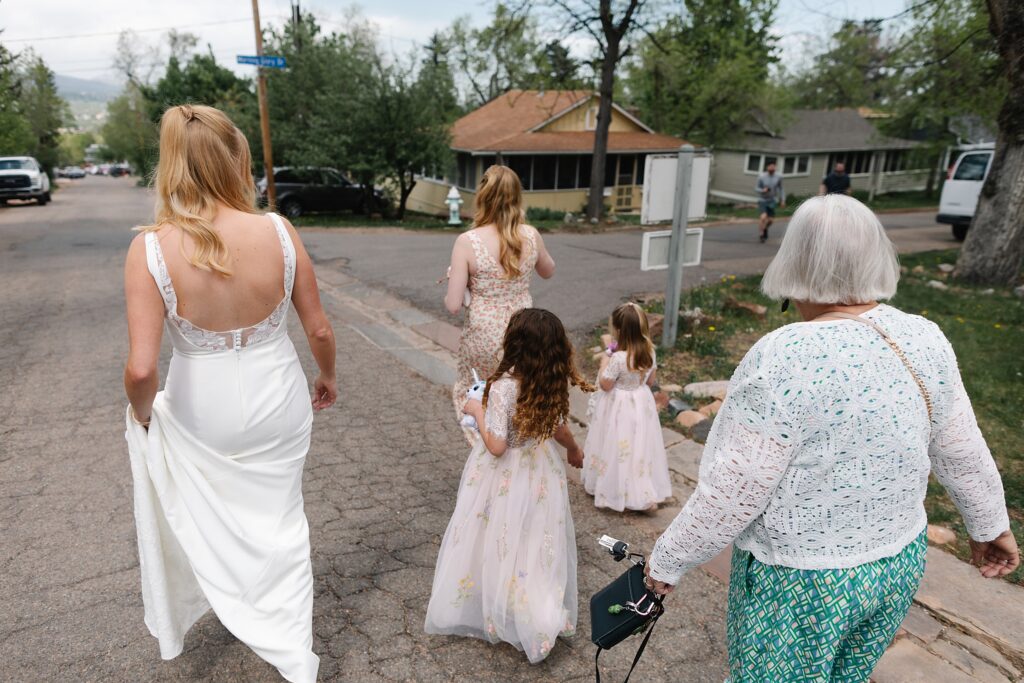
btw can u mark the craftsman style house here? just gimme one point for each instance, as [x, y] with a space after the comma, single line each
[547, 137]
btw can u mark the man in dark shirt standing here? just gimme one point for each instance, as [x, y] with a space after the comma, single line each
[836, 182]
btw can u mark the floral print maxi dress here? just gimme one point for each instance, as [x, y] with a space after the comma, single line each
[493, 300]
[506, 570]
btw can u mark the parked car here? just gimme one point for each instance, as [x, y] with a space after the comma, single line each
[23, 178]
[960, 193]
[70, 172]
[118, 170]
[312, 189]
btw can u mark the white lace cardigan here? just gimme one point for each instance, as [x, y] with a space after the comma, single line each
[819, 458]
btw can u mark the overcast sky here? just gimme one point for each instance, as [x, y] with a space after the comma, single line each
[78, 37]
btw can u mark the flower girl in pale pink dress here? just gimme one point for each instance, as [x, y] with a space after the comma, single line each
[626, 467]
[506, 570]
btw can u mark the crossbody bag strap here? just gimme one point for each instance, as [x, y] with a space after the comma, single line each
[636, 658]
[893, 345]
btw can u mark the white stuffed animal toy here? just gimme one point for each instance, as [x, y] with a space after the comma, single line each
[474, 393]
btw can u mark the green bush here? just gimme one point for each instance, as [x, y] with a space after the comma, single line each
[539, 213]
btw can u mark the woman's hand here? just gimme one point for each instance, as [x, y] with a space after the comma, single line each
[574, 454]
[658, 587]
[997, 557]
[325, 392]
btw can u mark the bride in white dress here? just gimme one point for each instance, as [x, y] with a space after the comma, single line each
[217, 456]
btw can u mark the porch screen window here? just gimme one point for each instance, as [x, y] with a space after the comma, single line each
[522, 165]
[754, 163]
[610, 165]
[626, 172]
[585, 163]
[544, 167]
[567, 171]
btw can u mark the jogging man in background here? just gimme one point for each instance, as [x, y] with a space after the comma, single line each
[769, 193]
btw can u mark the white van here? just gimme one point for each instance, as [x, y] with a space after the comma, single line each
[960, 192]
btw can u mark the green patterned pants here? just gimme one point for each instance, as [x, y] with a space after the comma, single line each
[787, 625]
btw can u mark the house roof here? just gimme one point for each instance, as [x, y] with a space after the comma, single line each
[814, 130]
[509, 123]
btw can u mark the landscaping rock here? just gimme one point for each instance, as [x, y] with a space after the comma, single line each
[940, 535]
[570, 218]
[671, 388]
[922, 625]
[757, 310]
[988, 292]
[1019, 291]
[699, 432]
[661, 400]
[711, 408]
[917, 270]
[677, 405]
[715, 389]
[937, 284]
[904, 270]
[946, 267]
[689, 418]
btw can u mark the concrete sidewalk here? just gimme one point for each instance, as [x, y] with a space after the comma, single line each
[961, 628]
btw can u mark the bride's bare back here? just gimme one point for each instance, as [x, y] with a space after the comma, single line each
[256, 286]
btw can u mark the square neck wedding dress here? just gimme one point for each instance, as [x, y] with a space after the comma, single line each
[218, 484]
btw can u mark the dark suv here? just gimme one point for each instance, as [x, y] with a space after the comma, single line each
[310, 189]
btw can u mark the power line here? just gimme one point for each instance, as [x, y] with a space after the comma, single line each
[117, 33]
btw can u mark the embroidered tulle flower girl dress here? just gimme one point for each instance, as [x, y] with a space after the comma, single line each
[506, 570]
[625, 466]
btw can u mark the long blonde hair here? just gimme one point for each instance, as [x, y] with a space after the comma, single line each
[499, 200]
[204, 160]
[633, 333]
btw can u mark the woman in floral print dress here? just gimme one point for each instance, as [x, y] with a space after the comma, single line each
[492, 262]
[506, 570]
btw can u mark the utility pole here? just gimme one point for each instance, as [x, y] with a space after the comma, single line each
[261, 91]
[296, 21]
[680, 214]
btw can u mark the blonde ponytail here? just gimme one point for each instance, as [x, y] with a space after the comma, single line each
[499, 200]
[204, 161]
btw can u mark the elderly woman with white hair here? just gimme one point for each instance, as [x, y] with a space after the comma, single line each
[817, 465]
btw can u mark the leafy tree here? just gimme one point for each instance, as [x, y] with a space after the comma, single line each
[72, 148]
[701, 77]
[994, 249]
[855, 71]
[948, 70]
[15, 133]
[401, 125]
[129, 133]
[314, 101]
[44, 109]
[499, 57]
[557, 69]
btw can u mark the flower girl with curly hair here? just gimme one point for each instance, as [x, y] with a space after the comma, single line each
[506, 570]
[626, 467]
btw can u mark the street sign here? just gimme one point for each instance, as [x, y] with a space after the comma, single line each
[659, 195]
[269, 61]
[654, 254]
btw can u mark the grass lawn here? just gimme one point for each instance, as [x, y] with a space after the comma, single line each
[984, 329]
[895, 201]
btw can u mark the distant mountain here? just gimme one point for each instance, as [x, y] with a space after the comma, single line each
[83, 90]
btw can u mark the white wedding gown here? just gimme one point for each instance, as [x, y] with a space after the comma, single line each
[218, 485]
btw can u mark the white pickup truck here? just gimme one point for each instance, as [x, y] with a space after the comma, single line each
[23, 178]
[960, 192]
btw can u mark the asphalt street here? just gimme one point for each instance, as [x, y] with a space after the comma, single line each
[594, 271]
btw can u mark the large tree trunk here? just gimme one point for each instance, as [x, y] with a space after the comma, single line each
[994, 249]
[595, 204]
